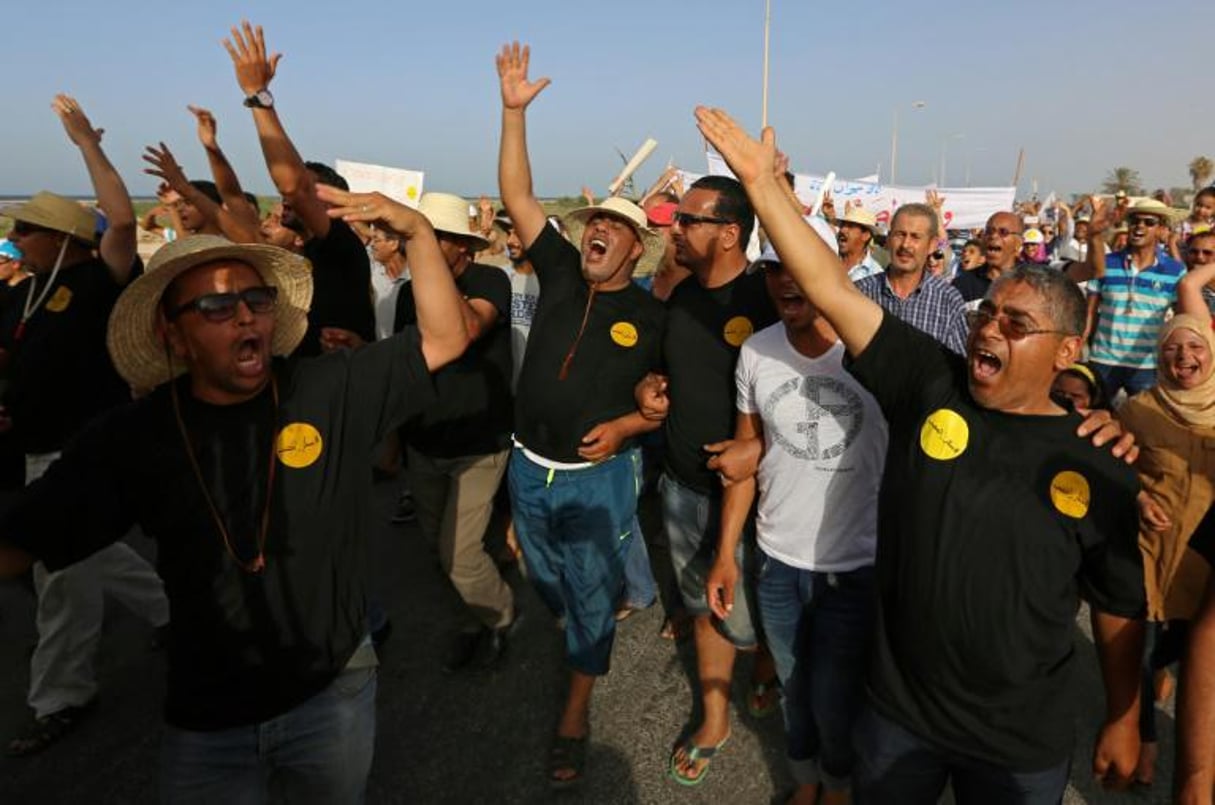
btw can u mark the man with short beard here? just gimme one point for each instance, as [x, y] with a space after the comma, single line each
[573, 473]
[1002, 245]
[906, 289]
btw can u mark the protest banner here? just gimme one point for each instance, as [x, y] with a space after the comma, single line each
[965, 207]
[399, 184]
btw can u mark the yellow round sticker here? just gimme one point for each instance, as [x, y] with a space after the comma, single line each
[738, 330]
[59, 300]
[298, 445]
[624, 334]
[945, 435]
[1070, 493]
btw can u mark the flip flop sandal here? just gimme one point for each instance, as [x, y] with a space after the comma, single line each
[693, 753]
[567, 754]
[763, 699]
[47, 730]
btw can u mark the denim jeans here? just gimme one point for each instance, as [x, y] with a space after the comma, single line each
[318, 752]
[1126, 378]
[896, 766]
[639, 587]
[818, 627]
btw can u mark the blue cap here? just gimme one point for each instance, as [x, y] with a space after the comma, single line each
[9, 250]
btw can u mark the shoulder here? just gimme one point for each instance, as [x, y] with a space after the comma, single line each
[764, 343]
[551, 247]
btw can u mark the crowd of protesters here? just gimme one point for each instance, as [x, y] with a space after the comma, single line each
[808, 451]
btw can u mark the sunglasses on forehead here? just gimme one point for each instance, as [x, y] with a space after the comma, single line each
[217, 307]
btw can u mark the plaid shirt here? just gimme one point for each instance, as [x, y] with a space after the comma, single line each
[934, 307]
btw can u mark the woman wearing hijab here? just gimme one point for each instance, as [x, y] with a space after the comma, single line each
[1172, 422]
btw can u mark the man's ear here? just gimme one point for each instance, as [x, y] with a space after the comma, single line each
[1069, 352]
[638, 250]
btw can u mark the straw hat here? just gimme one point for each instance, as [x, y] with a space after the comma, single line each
[631, 214]
[57, 213]
[861, 217]
[135, 345]
[1150, 206]
[449, 214]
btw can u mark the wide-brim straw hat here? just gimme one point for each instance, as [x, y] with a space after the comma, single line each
[133, 337]
[1150, 206]
[449, 214]
[631, 214]
[861, 217]
[55, 212]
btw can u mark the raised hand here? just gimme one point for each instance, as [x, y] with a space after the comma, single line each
[254, 69]
[1101, 218]
[517, 91]
[207, 127]
[934, 199]
[79, 130]
[751, 160]
[165, 166]
[372, 208]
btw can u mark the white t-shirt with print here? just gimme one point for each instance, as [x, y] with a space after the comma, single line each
[824, 450]
[524, 295]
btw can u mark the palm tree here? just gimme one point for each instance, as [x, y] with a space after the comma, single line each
[1201, 169]
[1123, 178]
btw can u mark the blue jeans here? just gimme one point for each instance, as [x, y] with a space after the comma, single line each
[319, 751]
[640, 590]
[693, 523]
[818, 627]
[1126, 378]
[898, 767]
[574, 527]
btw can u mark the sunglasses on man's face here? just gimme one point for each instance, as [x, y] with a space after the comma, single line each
[1145, 220]
[22, 228]
[686, 219]
[937, 256]
[217, 307]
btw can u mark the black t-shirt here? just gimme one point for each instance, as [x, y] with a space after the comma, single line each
[621, 341]
[991, 526]
[59, 373]
[243, 647]
[705, 329]
[473, 411]
[341, 286]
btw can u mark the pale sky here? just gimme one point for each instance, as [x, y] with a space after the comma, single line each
[1082, 86]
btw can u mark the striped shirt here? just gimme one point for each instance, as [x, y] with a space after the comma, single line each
[1132, 308]
[935, 307]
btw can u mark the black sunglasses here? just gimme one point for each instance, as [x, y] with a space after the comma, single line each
[217, 307]
[937, 256]
[688, 219]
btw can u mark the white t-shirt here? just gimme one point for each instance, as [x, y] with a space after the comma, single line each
[524, 294]
[824, 450]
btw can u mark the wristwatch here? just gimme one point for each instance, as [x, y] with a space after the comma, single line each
[262, 99]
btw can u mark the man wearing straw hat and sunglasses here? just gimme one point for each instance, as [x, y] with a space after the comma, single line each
[52, 332]
[250, 471]
[573, 473]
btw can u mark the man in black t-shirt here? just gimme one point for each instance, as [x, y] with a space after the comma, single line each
[457, 448]
[52, 333]
[973, 673]
[573, 474]
[341, 270]
[250, 472]
[709, 316]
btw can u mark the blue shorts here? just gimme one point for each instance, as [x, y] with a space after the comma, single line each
[574, 527]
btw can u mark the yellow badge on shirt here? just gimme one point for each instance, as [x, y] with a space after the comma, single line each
[59, 300]
[624, 334]
[298, 445]
[1070, 493]
[738, 330]
[945, 435]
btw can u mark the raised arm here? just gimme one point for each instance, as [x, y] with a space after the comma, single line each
[254, 72]
[815, 269]
[1189, 291]
[514, 167]
[440, 308]
[1097, 226]
[119, 243]
[164, 165]
[243, 215]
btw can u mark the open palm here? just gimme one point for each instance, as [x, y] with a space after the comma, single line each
[750, 159]
[517, 91]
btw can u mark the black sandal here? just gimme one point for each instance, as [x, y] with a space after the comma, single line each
[567, 754]
[47, 730]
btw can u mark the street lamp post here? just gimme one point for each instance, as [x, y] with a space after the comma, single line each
[894, 139]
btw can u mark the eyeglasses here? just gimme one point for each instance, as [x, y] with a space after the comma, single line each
[1001, 231]
[937, 256]
[217, 307]
[1146, 220]
[1201, 252]
[688, 219]
[1012, 328]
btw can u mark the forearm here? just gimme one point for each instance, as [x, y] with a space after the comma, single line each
[438, 303]
[1120, 652]
[634, 424]
[1195, 772]
[736, 502]
[515, 177]
[286, 167]
[112, 195]
[228, 184]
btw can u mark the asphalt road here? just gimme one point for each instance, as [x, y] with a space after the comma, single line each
[455, 739]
